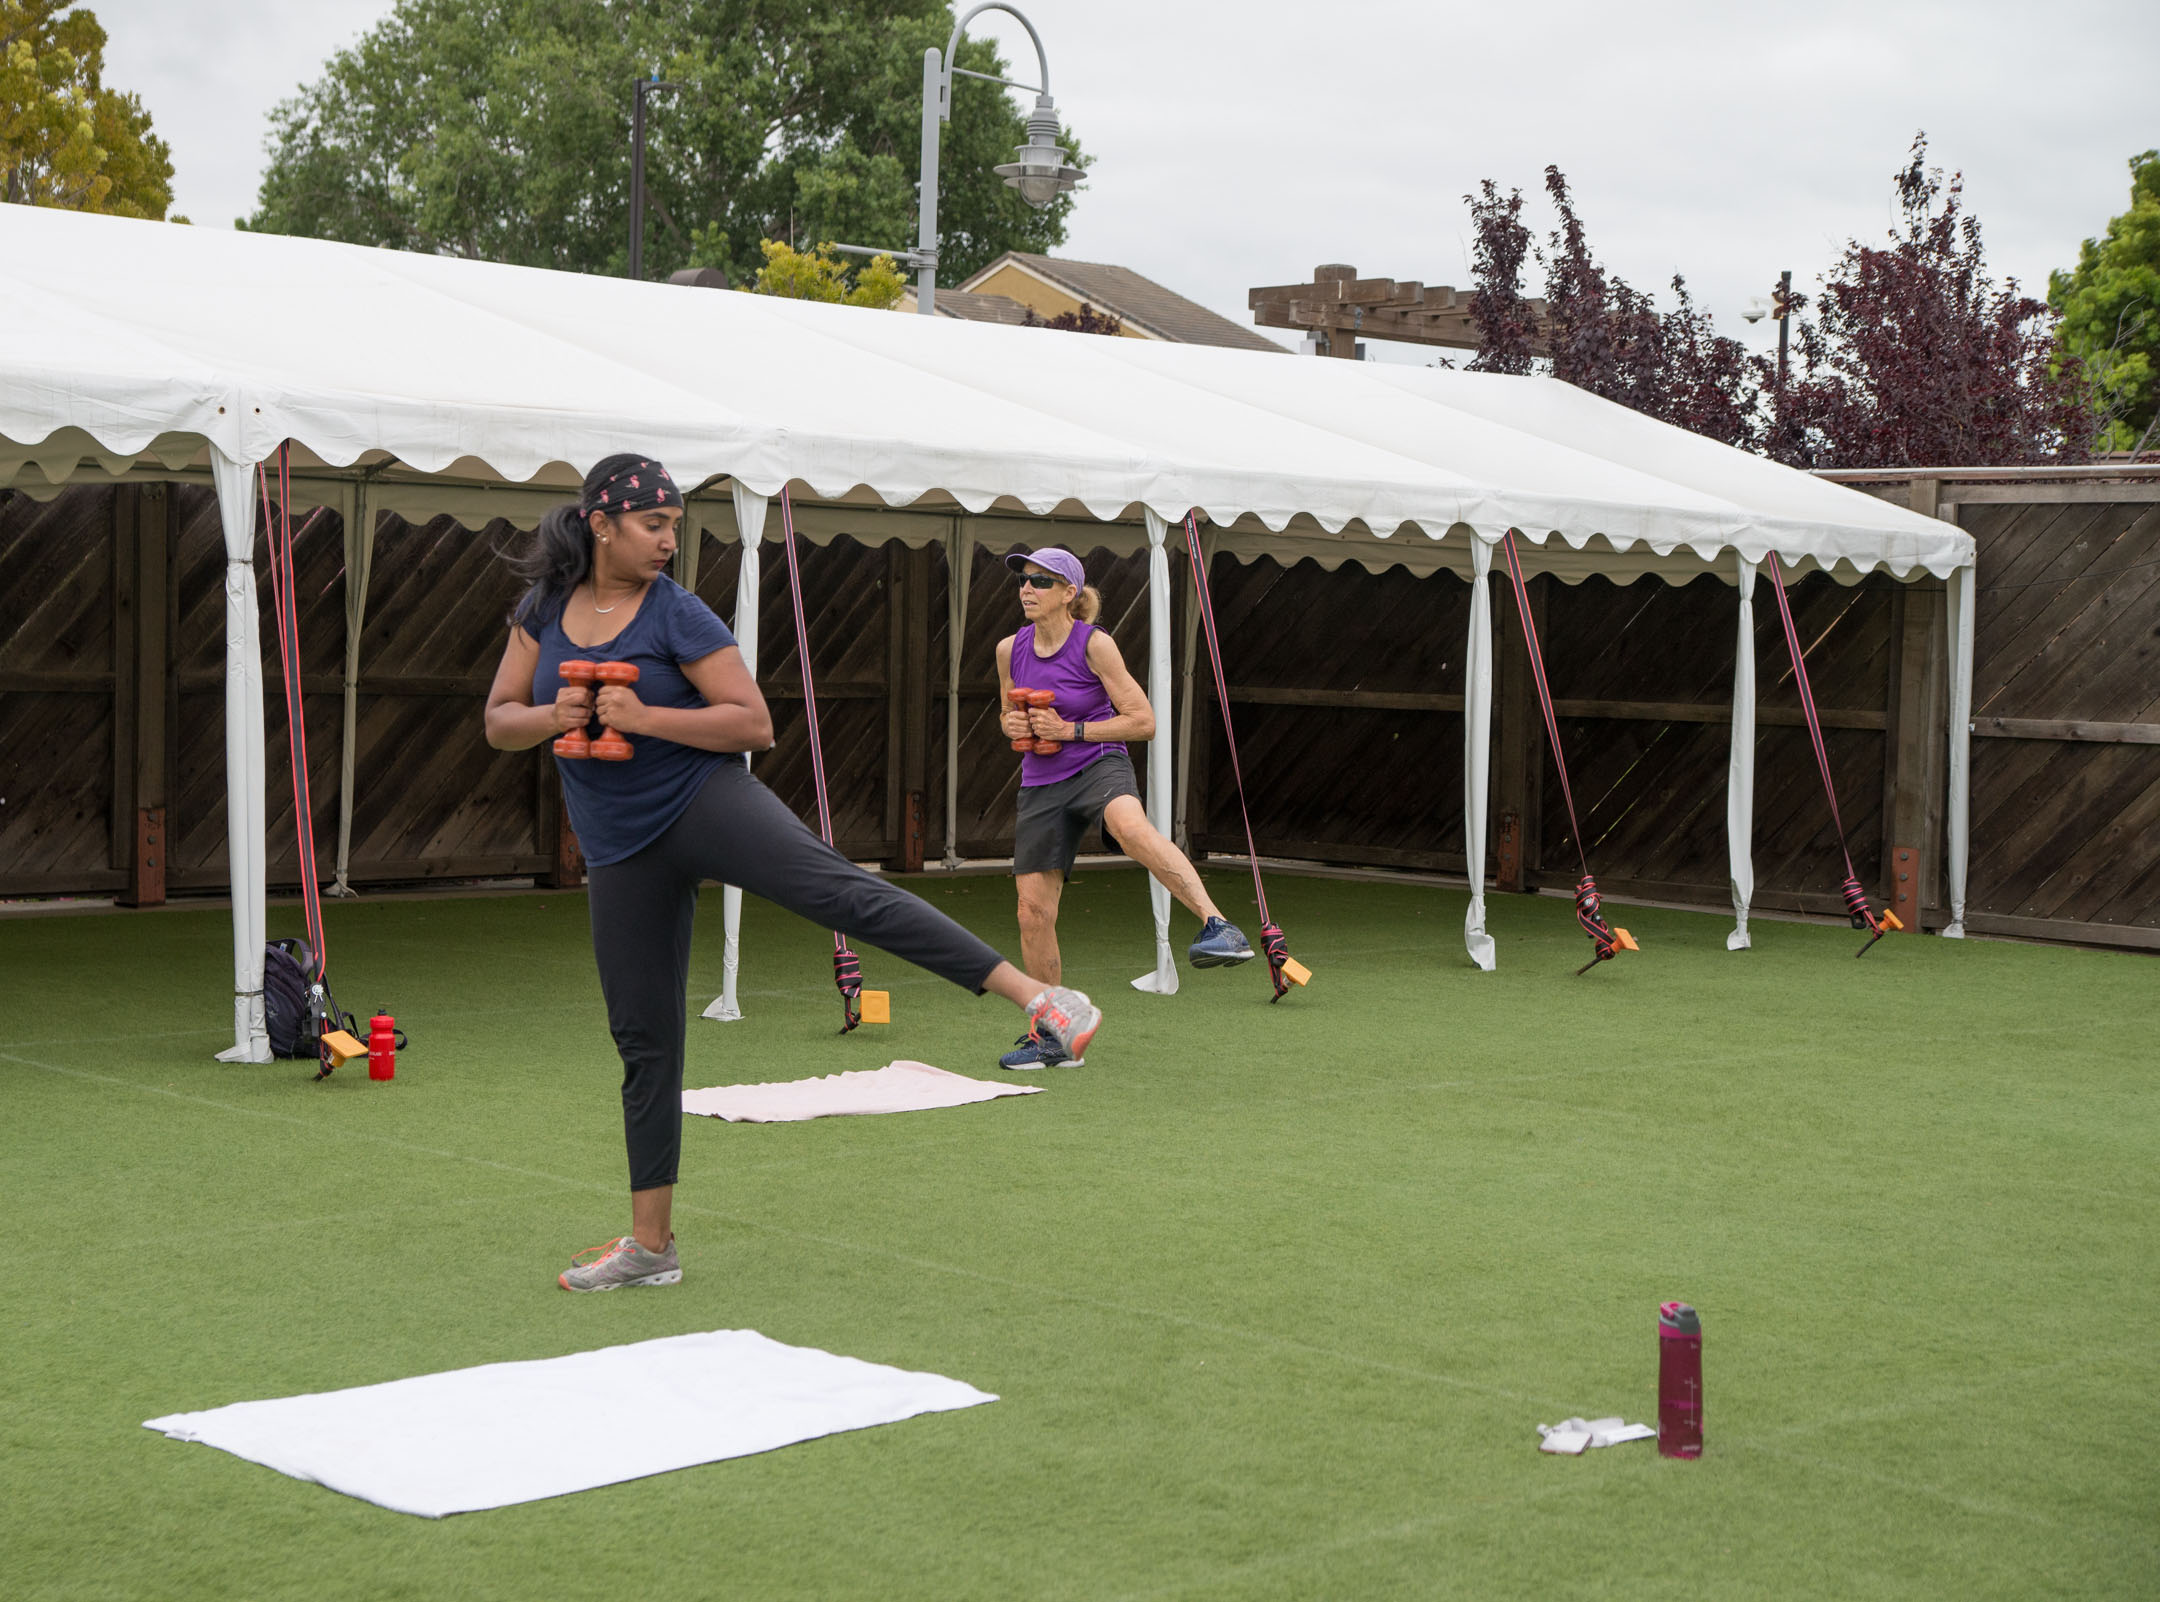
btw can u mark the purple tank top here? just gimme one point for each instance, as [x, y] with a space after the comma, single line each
[1081, 698]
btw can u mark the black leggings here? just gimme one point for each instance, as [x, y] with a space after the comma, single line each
[739, 832]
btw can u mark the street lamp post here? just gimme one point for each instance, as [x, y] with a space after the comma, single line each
[1039, 169]
[644, 87]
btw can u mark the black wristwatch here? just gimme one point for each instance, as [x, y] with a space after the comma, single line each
[1079, 732]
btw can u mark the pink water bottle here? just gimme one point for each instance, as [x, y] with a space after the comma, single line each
[1679, 1381]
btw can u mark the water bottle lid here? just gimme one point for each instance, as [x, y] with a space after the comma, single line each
[1679, 1320]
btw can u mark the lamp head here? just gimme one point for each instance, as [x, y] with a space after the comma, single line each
[1039, 169]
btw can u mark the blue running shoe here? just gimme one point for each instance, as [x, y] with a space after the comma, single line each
[1029, 1053]
[1221, 945]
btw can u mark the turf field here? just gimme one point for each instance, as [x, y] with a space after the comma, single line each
[1274, 1296]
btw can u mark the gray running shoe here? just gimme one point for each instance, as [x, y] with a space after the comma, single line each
[1029, 1053]
[1064, 1021]
[621, 1262]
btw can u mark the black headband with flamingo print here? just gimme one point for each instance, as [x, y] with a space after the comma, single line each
[628, 484]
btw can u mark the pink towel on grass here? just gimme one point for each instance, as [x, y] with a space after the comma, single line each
[897, 1087]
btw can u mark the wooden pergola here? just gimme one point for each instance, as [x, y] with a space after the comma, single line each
[1339, 308]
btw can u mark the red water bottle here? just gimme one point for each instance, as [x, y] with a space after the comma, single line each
[382, 1047]
[1679, 1381]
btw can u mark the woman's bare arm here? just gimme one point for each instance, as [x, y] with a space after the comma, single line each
[734, 718]
[513, 723]
[1135, 721]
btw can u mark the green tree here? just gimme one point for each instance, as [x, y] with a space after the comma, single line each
[2110, 309]
[500, 129]
[820, 275]
[65, 139]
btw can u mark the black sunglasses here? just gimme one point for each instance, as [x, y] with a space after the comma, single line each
[1040, 581]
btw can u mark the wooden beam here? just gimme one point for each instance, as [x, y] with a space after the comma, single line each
[2080, 729]
[1603, 711]
[2138, 937]
[2047, 494]
[1382, 700]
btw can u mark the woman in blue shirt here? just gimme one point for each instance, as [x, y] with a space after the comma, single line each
[684, 809]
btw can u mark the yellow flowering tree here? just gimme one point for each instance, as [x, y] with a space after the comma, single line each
[65, 139]
[819, 274]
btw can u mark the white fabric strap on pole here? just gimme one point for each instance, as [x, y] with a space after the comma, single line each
[1958, 820]
[959, 568]
[358, 511]
[1740, 763]
[1190, 720]
[1477, 751]
[1163, 981]
[750, 530]
[246, 773]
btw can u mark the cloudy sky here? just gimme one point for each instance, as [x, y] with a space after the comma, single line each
[1242, 144]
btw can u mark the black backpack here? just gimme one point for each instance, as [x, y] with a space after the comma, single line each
[289, 1008]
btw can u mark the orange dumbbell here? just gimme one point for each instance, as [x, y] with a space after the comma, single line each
[1040, 700]
[610, 746]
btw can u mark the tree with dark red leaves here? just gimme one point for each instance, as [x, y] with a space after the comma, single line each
[1505, 322]
[1087, 320]
[1919, 359]
[1600, 332]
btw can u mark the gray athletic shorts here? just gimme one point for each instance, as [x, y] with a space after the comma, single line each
[1053, 819]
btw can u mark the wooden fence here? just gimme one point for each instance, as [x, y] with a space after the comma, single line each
[1346, 688]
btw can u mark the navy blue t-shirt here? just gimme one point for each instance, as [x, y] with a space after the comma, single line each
[619, 808]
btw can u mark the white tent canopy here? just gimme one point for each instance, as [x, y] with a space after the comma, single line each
[147, 349]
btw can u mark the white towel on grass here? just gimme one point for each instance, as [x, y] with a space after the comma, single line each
[897, 1087]
[519, 1432]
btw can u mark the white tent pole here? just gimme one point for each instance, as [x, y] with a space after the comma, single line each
[1740, 763]
[246, 776]
[1958, 822]
[358, 511]
[1189, 720]
[1163, 980]
[1477, 750]
[959, 568]
[749, 529]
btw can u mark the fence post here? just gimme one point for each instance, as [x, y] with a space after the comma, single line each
[1913, 743]
[1519, 766]
[142, 564]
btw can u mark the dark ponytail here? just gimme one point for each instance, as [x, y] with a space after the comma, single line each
[555, 563]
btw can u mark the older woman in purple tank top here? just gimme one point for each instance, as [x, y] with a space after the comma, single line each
[1088, 781]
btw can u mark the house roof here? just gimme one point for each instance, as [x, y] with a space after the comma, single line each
[1147, 305]
[970, 308]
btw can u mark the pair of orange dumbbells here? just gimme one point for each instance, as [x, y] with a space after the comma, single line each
[1033, 700]
[610, 746]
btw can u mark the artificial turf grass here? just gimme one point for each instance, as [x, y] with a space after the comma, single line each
[1273, 1295]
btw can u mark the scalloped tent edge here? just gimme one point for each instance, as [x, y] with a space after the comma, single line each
[407, 382]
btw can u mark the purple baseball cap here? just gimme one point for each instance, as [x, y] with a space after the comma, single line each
[1063, 563]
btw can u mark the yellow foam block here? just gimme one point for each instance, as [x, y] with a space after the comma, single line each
[1295, 971]
[1625, 941]
[342, 1047]
[877, 1006]
[1890, 920]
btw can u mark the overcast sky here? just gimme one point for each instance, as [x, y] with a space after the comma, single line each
[1242, 144]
